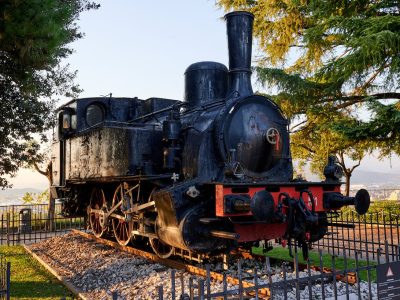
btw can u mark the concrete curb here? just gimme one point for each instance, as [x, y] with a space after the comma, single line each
[62, 279]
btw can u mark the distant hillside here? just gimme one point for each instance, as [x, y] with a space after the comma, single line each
[367, 178]
[13, 196]
[378, 178]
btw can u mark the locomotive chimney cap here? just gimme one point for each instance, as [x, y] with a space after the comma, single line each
[206, 65]
[239, 12]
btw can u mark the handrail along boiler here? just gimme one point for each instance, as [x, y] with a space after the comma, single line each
[203, 175]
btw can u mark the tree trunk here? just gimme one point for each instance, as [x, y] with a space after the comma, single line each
[51, 212]
[347, 175]
[52, 201]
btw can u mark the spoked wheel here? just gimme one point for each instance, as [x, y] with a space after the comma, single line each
[162, 250]
[97, 219]
[121, 227]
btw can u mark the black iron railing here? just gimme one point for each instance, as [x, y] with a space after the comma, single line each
[26, 224]
[5, 278]
[370, 232]
[329, 282]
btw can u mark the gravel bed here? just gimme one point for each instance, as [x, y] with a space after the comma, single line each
[277, 276]
[99, 270]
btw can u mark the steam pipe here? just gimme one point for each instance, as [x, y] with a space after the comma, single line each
[239, 30]
[225, 235]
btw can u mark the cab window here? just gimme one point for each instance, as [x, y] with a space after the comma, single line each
[94, 114]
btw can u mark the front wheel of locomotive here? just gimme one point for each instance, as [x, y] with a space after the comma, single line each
[162, 250]
[122, 227]
[97, 212]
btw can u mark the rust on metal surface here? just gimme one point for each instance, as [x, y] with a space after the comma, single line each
[350, 277]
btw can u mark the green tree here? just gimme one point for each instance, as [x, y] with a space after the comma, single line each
[34, 39]
[36, 198]
[330, 58]
[317, 142]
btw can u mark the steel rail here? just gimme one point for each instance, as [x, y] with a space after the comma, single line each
[263, 293]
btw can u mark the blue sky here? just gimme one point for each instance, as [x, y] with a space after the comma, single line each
[142, 48]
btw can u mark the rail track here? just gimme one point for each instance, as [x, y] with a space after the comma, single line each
[263, 293]
[244, 282]
[252, 277]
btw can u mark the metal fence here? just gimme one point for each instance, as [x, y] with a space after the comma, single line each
[5, 278]
[363, 234]
[353, 279]
[26, 224]
[35, 208]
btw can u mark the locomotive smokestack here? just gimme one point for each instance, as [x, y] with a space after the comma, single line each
[239, 30]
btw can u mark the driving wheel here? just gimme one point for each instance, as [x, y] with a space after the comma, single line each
[122, 227]
[97, 212]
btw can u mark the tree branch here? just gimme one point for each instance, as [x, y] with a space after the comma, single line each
[356, 165]
[305, 147]
[354, 99]
[373, 76]
[44, 173]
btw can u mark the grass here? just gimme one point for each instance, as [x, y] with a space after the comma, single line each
[283, 254]
[29, 279]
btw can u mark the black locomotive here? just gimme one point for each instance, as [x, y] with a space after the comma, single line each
[201, 175]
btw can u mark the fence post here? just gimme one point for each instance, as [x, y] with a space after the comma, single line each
[296, 266]
[358, 277]
[8, 228]
[2, 229]
[200, 284]
[239, 265]
[398, 253]
[346, 274]
[191, 288]
[284, 281]
[173, 284]
[334, 276]
[225, 285]
[255, 282]
[13, 225]
[208, 267]
[321, 266]
[310, 293]
[8, 280]
[182, 285]
[160, 292]
[387, 251]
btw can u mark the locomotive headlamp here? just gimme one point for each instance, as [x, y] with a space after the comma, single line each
[235, 203]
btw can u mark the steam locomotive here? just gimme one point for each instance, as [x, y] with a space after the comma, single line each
[203, 175]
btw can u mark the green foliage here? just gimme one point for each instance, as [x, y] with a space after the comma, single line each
[327, 60]
[34, 38]
[36, 198]
[379, 211]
